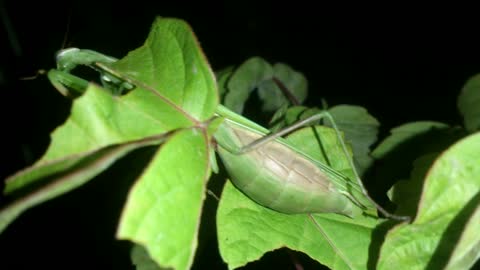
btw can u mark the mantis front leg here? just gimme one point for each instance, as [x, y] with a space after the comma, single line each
[69, 85]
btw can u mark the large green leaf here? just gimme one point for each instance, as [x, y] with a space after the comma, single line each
[172, 63]
[97, 120]
[40, 183]
[468, 101]
[247, 230]
[450, 199]
[185, 95]
[467, 249]
[164, 206]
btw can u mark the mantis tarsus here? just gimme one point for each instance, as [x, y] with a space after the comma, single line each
[263, 165]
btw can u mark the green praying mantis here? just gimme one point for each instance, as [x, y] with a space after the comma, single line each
[263, 165]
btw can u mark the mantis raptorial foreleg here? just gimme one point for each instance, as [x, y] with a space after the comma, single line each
[255, 144]
[68, 59]
[60, 79]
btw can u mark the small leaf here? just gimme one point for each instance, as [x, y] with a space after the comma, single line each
[164, 206]
[294, 83]
[450, 197]
[244, 80]
[277, 85]
[468, 102]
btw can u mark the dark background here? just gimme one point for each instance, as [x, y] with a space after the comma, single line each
[401, 63]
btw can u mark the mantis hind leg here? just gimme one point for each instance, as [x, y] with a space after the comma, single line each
[259, 142]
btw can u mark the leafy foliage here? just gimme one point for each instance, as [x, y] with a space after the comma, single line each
[277, 85]
[173, 107]
[449, 200]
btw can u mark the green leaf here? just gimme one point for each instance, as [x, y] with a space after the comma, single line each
[172, 63]
[468, 103]
[449, 200]
[406, 143]
[467, 249]
[164, 206]
[294, 84]
[51, 179]
[244, 80]
[402, 134]
[360, 129]
[247, 230]
[99, 119]
[276, 85]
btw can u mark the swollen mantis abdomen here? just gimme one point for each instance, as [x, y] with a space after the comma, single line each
[277, 177]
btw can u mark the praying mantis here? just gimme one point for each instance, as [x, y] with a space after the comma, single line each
[277, 176]
[263, 165]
